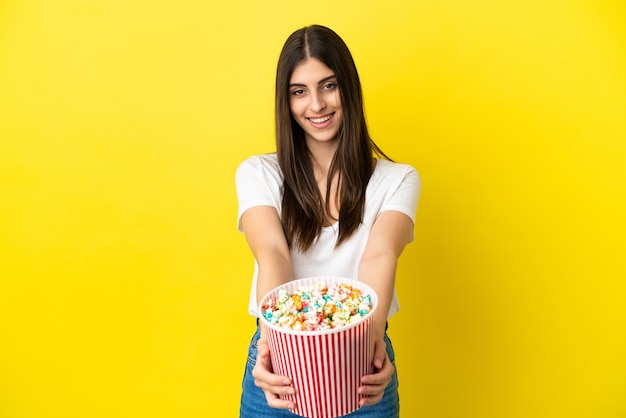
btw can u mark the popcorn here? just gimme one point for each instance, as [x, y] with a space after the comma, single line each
[317, 307]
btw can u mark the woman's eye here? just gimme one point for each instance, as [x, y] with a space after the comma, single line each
[329, 86]
[298, 92]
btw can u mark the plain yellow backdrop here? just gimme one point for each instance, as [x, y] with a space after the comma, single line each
[124, 283]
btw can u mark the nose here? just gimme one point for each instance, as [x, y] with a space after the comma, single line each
[317, 102]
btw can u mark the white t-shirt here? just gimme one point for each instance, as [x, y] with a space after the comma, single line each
[393, 186]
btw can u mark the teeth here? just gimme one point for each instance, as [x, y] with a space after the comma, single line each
[320, 120]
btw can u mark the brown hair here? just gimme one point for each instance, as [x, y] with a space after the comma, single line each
[303, 212]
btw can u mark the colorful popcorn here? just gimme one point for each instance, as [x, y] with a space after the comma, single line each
[317, 307]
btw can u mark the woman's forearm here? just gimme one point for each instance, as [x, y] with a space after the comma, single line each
[379, 273]
[274, 270]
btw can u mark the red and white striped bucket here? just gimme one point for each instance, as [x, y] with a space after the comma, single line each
[325, 366]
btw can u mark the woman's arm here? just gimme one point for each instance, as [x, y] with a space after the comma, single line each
[268, 244]
[266, 239]
[391, 232]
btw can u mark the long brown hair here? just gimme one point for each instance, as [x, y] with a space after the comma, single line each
[303, 211]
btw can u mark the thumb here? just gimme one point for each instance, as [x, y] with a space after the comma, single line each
[379, 353]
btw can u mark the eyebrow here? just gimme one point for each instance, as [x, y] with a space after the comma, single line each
[322, 81]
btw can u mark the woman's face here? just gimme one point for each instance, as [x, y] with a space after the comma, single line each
[315, 101]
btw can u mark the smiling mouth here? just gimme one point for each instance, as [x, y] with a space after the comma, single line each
[321, 119]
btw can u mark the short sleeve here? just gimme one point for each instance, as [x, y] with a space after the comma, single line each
[406, 195]
[258, 182]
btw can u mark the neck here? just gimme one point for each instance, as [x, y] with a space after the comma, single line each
[322, 155]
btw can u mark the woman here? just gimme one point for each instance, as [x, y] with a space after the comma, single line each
[329, 202]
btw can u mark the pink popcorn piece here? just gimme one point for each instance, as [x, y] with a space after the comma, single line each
[317, 307]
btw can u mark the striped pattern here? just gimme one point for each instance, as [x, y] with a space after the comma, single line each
[325, 367]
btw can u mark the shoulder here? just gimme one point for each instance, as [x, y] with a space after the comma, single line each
[394, 186]
[386, 170]
[260, 161]
[262, 164]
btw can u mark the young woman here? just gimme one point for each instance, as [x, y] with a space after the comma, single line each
[329, 202]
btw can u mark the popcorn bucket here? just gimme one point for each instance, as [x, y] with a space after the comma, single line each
[325, 366]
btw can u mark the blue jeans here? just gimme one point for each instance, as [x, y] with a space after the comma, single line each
[254, 404]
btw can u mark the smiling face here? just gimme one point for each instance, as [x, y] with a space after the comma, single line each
[315, 101]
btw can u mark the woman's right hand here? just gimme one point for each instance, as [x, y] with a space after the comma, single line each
[272, 384]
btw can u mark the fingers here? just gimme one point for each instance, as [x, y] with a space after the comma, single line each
[273, 385]
[380, 353]
[373, 385]
[274, 401]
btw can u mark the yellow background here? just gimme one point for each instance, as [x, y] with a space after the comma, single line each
[124, 283]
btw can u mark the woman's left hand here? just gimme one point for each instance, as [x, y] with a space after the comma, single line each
[373, 385]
